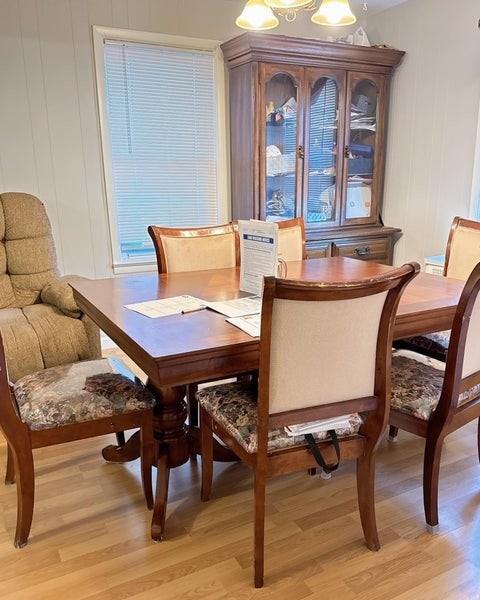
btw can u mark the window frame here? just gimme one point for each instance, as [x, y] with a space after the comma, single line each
[100, 34]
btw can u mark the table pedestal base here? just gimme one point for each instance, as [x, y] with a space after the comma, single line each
[174, 445]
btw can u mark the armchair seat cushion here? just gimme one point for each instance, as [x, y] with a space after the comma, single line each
[417, 383]
[21, 344]
[79, 392]
[434, 345]
[62, 340]
[234, 406]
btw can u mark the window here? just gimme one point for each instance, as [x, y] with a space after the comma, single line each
[161, 130]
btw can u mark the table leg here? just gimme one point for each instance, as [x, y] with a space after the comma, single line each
[161, 498]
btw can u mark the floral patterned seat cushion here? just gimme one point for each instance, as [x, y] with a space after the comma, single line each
[78, 392]
[234, 406]
[434, 345]
[417, 383]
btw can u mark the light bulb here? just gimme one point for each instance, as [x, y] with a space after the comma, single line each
[334, 13]
[257, 16]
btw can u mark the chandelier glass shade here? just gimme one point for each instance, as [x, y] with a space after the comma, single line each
[257, 16]
[334, 13]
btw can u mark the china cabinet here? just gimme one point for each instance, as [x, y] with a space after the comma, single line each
[308, 126]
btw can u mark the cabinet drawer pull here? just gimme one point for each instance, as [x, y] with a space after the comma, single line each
[301, 152]
[363, 251]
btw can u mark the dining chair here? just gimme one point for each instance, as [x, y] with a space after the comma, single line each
[291, 240]
[325, 351]
[432, 399]
[195, 249]
[66, 403]
[462, 255]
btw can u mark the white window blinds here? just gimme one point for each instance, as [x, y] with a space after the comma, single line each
[162, 123]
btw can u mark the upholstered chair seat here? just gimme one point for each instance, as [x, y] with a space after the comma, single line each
[234, 405]
[417, 383]
[79, 392]
[66, 403]
[434, 345]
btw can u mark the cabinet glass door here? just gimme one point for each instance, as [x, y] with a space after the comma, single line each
[280, 144]
[361, 150]
[323, 163]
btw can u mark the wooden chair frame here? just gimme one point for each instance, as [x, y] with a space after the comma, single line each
[157, 232]
[448, 416]
[21, 440]
[375, 408]
[457, 222]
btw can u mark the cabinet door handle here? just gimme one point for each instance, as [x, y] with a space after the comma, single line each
[363, 251]
[301, 152]
[347, 152]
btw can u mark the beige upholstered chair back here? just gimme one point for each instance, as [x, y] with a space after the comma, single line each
[463, 251]
[195, 249]
[323, 351]
[27, 251]
[291, 240]
[471, 359]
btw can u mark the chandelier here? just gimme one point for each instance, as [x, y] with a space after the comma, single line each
[260, 15]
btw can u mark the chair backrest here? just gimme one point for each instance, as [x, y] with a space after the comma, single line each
[195, 249]
[291, 240]
[27, 251]
[327, 344]
[463, 248]
[462, 369]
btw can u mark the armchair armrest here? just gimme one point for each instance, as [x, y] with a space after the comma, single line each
[59, 293]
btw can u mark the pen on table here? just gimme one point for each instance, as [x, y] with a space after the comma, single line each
[192, 310]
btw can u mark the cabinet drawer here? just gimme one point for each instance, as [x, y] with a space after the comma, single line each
[319, 250]
[377, 249]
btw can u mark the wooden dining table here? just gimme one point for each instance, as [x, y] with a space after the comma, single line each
[183, 349]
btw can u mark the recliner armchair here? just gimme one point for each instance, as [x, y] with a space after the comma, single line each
[40, 323]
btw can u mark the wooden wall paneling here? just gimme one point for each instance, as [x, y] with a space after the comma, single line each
[62, 96]
[119, 14]
[18, 159]
[435, 100]
[40, 127]
[139, 17]
[83, 15]
[165, 18]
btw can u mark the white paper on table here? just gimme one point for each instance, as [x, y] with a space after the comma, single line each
[238, 307]
[259, 254]
[318, 426]
[249, 324]
[167, 306]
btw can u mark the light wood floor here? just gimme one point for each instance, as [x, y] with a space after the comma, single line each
[90, 534]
